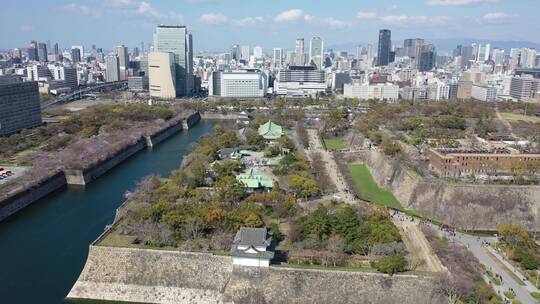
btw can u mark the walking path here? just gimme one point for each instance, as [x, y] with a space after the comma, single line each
[417, 243]
[331, 167]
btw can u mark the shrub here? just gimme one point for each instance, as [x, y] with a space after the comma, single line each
[391, 264]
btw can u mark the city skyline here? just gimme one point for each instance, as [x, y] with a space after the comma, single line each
[217, 24]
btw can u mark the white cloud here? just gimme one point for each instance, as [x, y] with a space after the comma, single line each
[336, 24]
[308, 18]
[458, 2]
[214, 18]
[117, 3]
[403, 20]
[290, 15]
[145, 9]
[248, 21]
[366, 15]
[73, 7]
[497, 18]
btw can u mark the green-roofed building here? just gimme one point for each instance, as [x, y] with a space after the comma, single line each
[271, 131]
[253, 180]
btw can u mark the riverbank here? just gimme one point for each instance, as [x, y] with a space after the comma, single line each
[48, 241]
[21, 199]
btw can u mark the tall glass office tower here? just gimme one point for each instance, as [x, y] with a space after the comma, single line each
[385, 43]
[175, 39]
[316, 52]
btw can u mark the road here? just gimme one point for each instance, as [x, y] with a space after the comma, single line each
[496, 264]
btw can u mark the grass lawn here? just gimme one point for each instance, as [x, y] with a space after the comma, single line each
[368, 189]
[518, 117]
[334, 143]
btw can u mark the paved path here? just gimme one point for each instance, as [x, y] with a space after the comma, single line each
[331, 167]
[492, 263]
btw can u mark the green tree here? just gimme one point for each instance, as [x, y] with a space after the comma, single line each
[303, 187]
[229, 189]
[391, 264]
[253, 220]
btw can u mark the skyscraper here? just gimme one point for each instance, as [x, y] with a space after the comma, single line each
[175, 39]
[33, 51]
[370, 54]
[300, 52]
[19, 105]
[113, 68]
[258, 52]
[244, 55]
[162, 72]
[235, 52]
[56, 51]
[123, 60]
[316, 52]
[42, 52]
[277, 58]
[75, 55]
[466, 56]
[412, 47]
[385, 43]
[426, 60]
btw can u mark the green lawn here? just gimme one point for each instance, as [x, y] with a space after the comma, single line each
[334, 144]
[518, 117]
[369, 190]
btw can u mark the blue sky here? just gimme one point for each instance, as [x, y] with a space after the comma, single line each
[217, 24]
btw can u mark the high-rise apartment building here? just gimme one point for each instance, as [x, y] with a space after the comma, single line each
[385, 44]
[123, 61]
[19, 105]
[175, 39]
[523, 87]
[162, 74]
[316, 56]
[113, 68]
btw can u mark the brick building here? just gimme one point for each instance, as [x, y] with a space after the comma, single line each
[464, 162]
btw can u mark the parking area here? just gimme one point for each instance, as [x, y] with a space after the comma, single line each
[8, 173]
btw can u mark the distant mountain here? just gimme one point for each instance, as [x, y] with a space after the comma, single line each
[447, 45]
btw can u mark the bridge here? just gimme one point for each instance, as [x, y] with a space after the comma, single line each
[81, 93]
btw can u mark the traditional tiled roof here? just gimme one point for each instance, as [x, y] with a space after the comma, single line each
[270, 130]
[253, 179]
[252, 238]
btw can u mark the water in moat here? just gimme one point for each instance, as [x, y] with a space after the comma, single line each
[43, 248]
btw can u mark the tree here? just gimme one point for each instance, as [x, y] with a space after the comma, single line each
[229, 189]
[303, 187]
[390, 147]
[391, 264]
[336, 245]
[253, 220]
[255, 140]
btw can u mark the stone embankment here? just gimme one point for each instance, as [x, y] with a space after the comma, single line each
[467, 206]
[219, 116]
[19, 200]
[159, 276]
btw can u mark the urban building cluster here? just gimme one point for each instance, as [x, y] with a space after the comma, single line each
[167, 68]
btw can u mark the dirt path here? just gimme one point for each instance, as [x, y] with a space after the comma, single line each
[418, 245]
[331, 167]
[506, 123]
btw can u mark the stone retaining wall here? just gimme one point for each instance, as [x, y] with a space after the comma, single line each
[83, 177]
[475, 207]
[154, 139]
[158, 276]
[191, 121]
[19, 201]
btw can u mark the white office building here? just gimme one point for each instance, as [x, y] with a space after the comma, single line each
[484, 93]
[381, 91]
[238, 84]
[300, 81]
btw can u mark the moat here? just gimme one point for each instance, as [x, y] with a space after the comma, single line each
[44, 247]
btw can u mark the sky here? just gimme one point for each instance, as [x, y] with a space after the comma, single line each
[217, 24]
